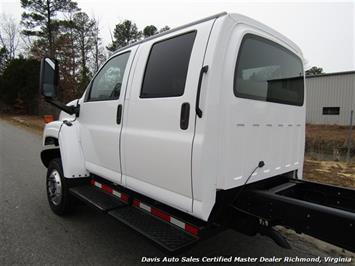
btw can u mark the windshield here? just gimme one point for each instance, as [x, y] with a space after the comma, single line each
[266, 71]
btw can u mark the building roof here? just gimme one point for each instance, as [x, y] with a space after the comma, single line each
[331, 74]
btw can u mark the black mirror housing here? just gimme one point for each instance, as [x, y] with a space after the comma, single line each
[48, 83]
[49, 77]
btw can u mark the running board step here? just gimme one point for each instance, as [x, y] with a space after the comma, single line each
[99, 199]
[166, 235]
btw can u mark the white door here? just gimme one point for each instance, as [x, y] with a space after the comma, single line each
[101, 117]
[157, 137]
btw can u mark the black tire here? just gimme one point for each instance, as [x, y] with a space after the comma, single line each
[59, 198]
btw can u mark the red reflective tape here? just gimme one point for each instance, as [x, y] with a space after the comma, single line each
[135, 203]
[92, 181]
[106, 188]
[160, 214]
[124, 197]
[191, 229]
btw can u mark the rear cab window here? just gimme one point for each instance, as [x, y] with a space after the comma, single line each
[266, 71]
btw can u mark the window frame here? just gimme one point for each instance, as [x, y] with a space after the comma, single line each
[273, 43]
[331, 108]
[88, 94]
[150, 52]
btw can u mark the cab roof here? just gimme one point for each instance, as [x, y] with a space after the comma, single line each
[239, 18]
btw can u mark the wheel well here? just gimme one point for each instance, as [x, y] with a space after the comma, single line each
[51, 141]
[48, 155]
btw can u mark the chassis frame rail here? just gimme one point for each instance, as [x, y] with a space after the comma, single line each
[322, 211]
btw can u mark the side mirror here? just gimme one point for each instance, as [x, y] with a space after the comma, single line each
[49, 77]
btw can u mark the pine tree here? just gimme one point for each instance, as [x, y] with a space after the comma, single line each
[40, 20]
[84, 40]
[149, 31]
[4, 56]
[98, 52]
[165, 28]
[124, 34]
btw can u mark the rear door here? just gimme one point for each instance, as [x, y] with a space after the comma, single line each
[100, 117]
[157, 137]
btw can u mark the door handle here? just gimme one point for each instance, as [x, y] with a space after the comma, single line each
[184, 116]
[119, 114]
[197, 106]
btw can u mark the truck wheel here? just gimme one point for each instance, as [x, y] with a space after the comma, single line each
[57, 188]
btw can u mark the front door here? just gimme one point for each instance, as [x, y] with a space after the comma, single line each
[157, 138]
[101, 117]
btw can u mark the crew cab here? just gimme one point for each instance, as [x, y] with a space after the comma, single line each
[192, 131]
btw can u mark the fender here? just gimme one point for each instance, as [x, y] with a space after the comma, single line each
[51, 130]
[50, 142]
[71, 152]
[69, 149]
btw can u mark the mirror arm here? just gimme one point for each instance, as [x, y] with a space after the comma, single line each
[68, 109]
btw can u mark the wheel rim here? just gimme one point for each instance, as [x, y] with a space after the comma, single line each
[54, 187]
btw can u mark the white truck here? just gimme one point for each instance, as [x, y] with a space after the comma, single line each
[192, 131]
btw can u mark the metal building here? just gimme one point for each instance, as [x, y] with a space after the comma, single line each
[330, 98]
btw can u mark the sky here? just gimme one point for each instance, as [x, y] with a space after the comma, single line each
[324, 30]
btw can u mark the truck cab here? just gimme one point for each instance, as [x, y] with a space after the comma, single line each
[181, 117]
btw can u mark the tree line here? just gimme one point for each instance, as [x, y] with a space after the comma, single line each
[58, 29]
[61, 30]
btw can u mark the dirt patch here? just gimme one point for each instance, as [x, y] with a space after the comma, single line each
[330, 172]
[299, 240]
[329, 139]
[328, 133]
[30, 122]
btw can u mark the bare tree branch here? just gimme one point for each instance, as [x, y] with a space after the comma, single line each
[9, 35]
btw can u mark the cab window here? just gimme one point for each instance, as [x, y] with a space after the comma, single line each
[108, 82]
[167, 66]
[266, 71]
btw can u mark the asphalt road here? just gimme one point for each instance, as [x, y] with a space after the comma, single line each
[30, 234]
